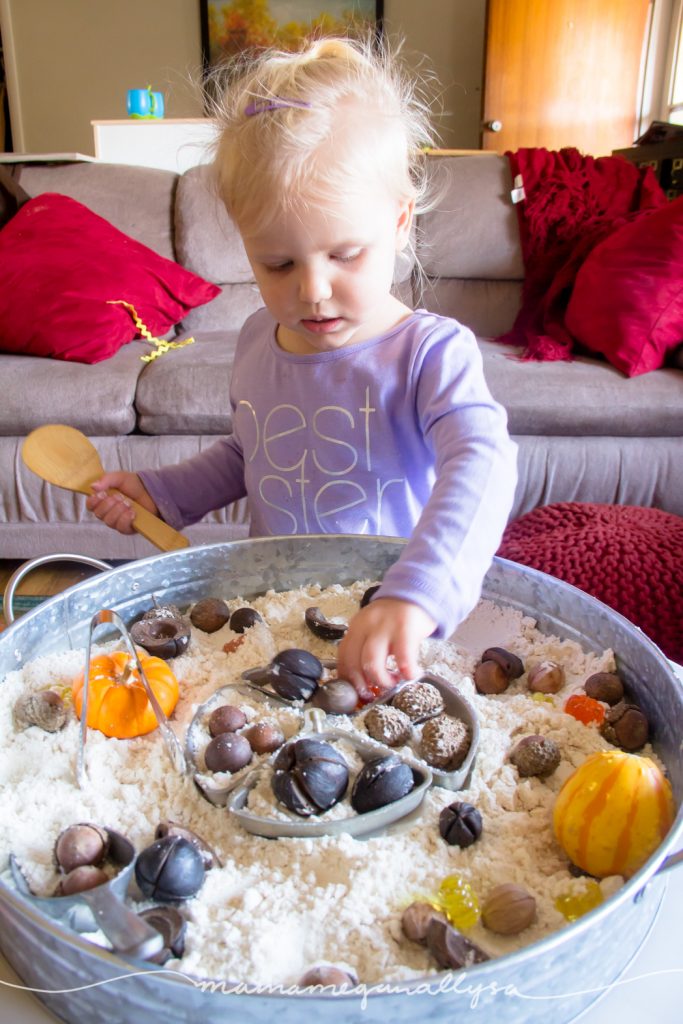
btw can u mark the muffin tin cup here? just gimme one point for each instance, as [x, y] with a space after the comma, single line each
[354, 824]
[217, 791]
[456, 706]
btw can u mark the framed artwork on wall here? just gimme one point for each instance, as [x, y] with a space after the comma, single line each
[231, 26]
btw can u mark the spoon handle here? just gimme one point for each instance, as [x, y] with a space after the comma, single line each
[155, 529]
[129, 934]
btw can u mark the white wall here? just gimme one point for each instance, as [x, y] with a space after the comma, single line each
[71, 62]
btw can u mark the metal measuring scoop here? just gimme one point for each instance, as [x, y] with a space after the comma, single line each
[173, 747]
[102, 907]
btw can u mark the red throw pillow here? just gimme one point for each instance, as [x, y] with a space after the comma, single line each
[61, 265]
[627, 300]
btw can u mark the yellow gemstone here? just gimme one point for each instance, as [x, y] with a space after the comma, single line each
[544, 698]
[459, 903]
[573, 906]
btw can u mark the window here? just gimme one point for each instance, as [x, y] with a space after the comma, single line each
[674, 97]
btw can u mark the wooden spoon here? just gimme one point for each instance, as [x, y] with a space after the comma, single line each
[65, 457]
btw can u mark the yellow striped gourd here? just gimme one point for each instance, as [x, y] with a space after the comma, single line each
[612, 813]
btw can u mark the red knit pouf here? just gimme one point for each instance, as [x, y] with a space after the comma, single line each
[631, 558]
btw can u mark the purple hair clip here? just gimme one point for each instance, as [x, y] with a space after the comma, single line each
[277, 103]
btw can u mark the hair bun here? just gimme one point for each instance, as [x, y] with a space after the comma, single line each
[335, 48]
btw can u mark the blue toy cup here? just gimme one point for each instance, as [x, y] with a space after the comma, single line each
[145, 103]
[157, 104]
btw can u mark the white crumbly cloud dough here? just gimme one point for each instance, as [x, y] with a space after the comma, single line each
[276, 908]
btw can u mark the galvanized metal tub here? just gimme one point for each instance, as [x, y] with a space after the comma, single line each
[561, 975]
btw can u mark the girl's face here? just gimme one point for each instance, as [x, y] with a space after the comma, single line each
[325, 270]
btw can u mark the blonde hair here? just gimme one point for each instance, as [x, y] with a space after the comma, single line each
[354, 113]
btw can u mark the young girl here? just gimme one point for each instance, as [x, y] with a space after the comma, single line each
[351, 412]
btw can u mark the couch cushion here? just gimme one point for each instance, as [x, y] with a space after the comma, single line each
[96, 399]
[487, 307]
[473, 231]
[187, 390]
[137, 200]
[208, 243]
[582, 397]
[227, 312]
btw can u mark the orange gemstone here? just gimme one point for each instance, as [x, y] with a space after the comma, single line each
[585, 709]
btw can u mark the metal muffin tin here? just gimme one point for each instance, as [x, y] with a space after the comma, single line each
[218, 791]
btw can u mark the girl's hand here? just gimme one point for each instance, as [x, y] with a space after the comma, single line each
[386, 626]
[113, 510]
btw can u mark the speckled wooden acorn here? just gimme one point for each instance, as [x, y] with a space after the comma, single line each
[46, 709]
[613, 812]
[535, 755]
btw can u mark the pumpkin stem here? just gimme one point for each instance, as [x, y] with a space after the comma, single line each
[128, 674]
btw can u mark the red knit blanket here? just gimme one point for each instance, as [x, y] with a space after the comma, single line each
[572, 202]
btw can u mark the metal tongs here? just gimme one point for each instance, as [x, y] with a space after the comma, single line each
[175, 751]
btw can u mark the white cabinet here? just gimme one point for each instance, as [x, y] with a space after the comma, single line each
[168, 143]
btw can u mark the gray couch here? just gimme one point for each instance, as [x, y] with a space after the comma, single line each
[585, 432]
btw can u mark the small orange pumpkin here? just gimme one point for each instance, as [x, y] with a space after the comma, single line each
[117, 700]
[613, 812]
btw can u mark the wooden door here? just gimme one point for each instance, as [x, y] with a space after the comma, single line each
[563, 73]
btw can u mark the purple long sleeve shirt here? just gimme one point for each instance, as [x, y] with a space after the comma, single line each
[394, 436]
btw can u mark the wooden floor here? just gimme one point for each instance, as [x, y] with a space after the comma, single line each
[45, 580]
